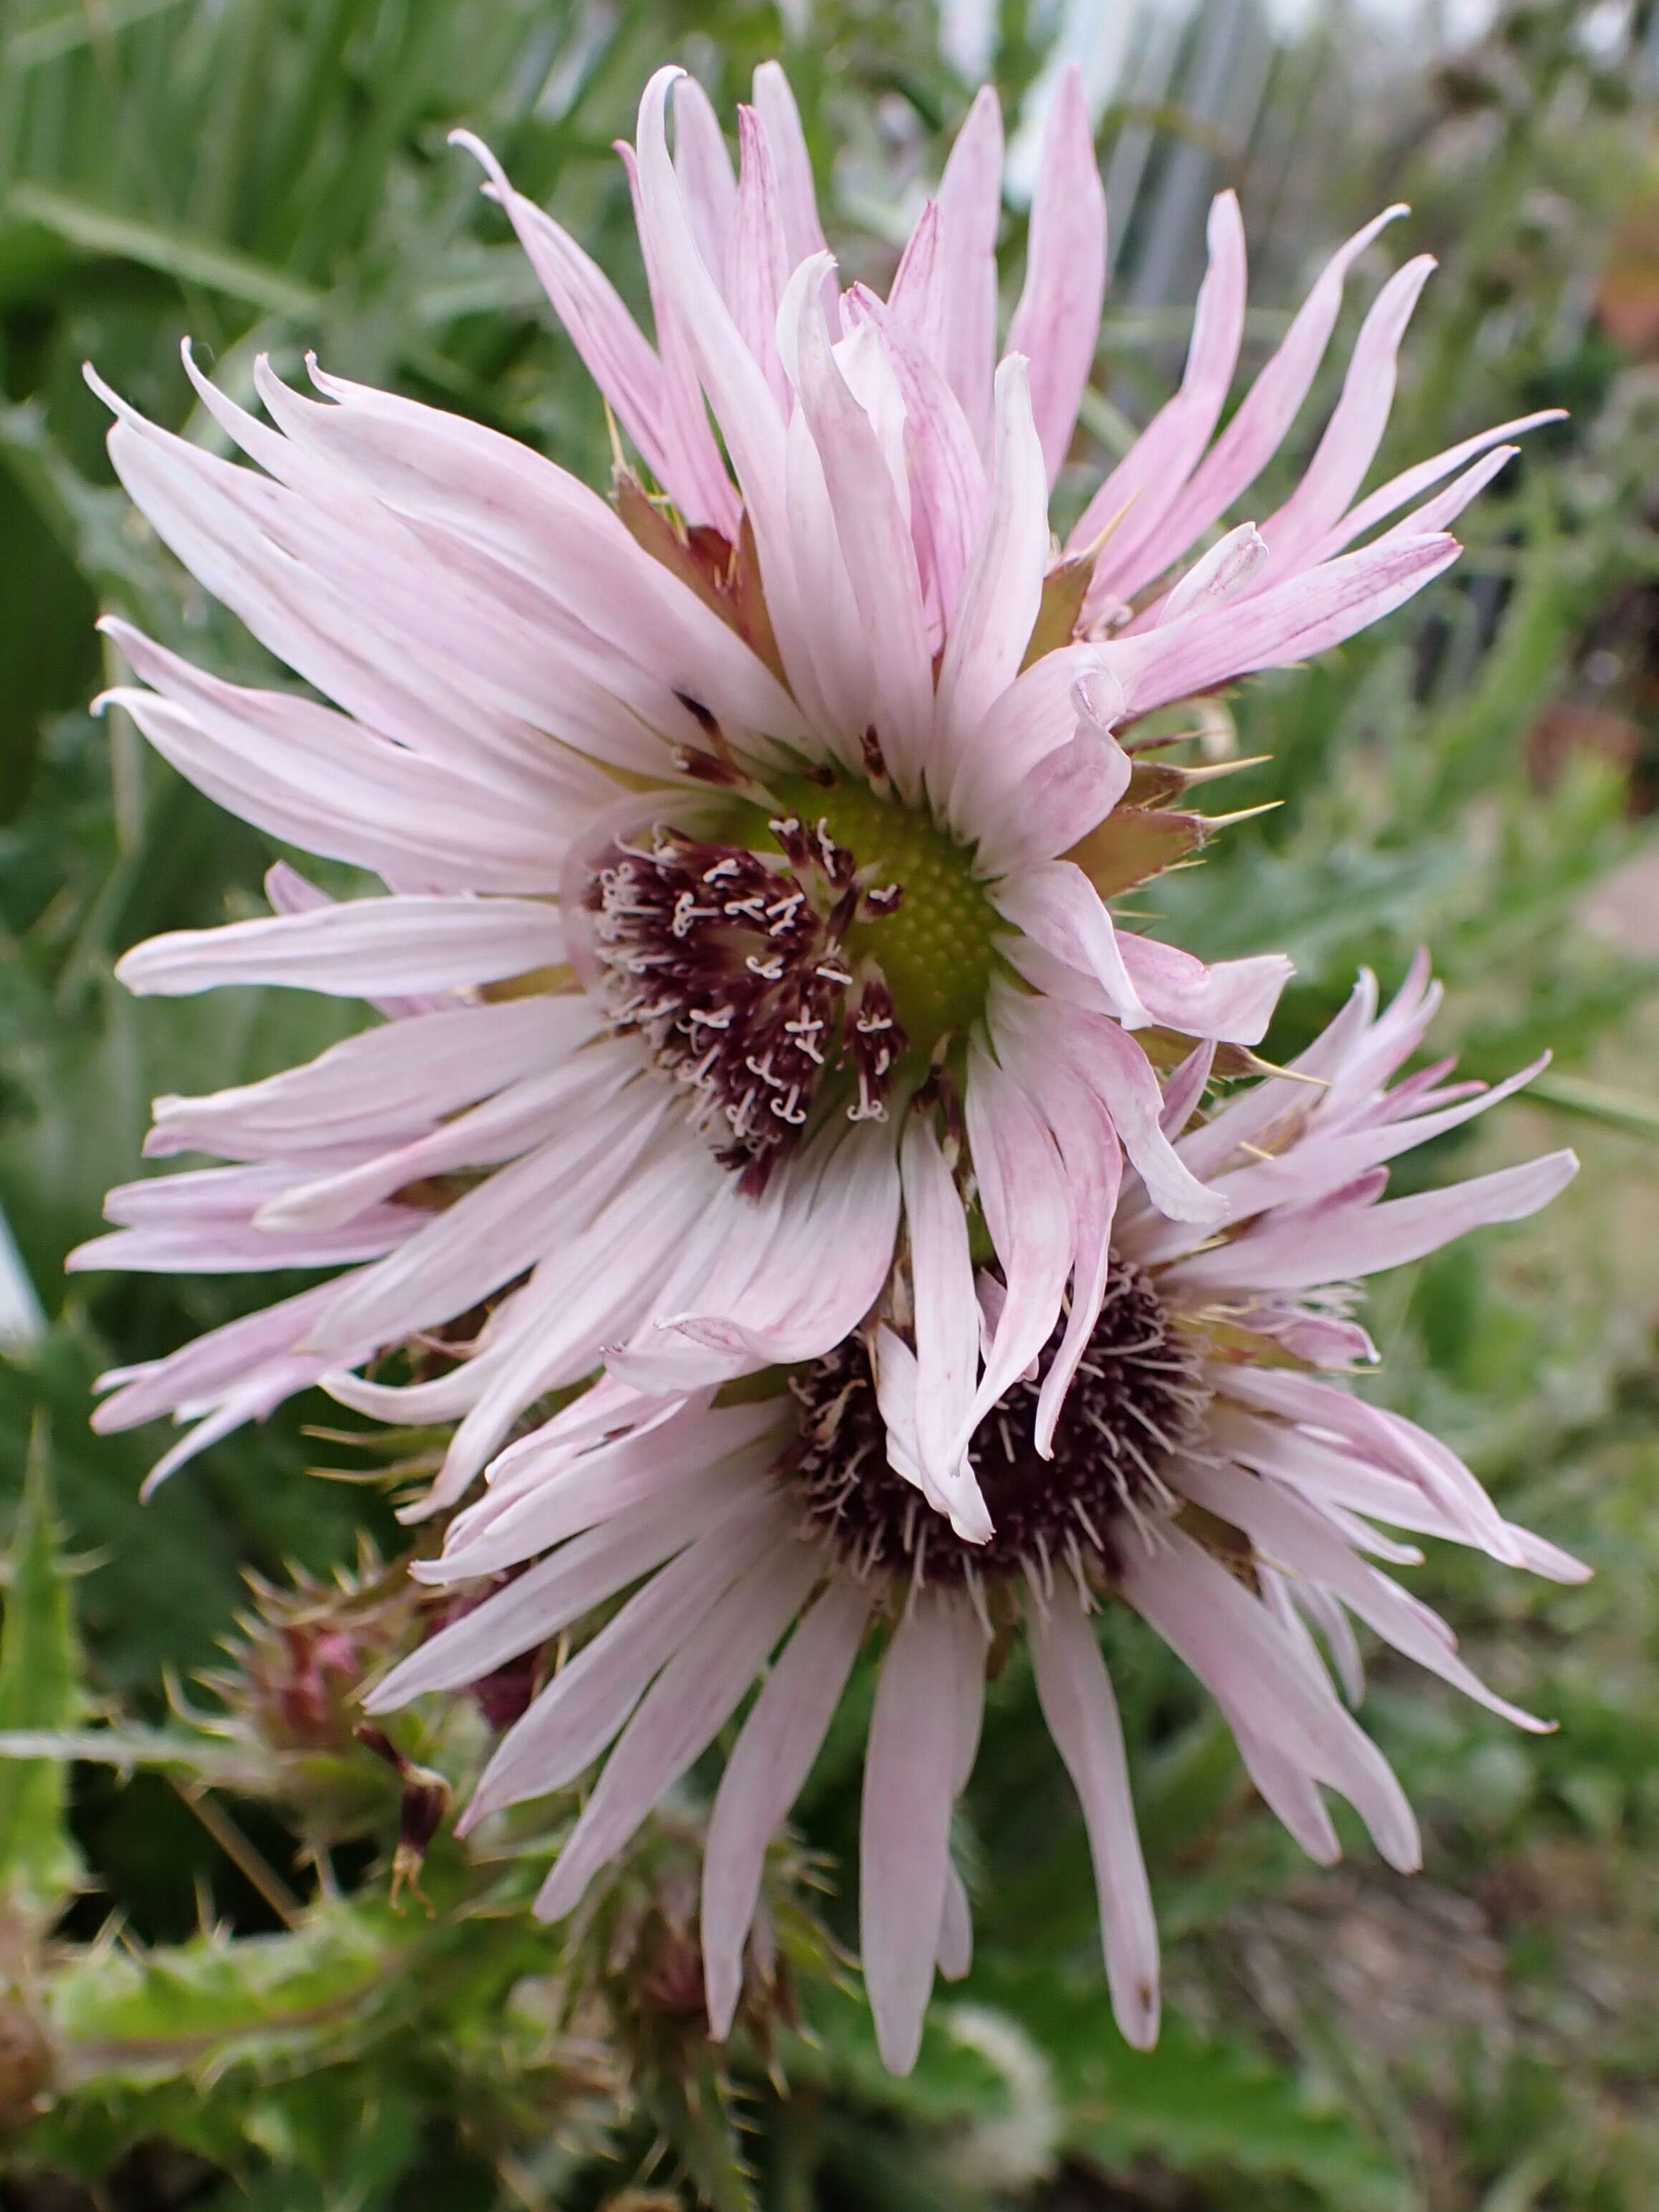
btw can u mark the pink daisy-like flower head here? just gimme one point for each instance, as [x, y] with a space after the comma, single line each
[1210, 1469]
[747, 842]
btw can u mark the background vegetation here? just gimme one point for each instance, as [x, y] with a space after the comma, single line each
[212, 1990]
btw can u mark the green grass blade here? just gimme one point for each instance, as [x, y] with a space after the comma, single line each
[188, 260]
[1599, 1102]
[40, 43]
[39, 1688]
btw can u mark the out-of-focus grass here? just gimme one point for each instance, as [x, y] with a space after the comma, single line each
[272, 176]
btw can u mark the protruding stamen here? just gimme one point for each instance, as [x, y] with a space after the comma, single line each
[730, 963]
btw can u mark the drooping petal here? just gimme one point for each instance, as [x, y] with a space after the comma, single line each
[586, 1704]
[1058, 909]
[1291, 1533]
[1231, 1000]
[634, 1540]
[946, 1327]
[904, 1837]
[1121, 1077]
[807, 1287]
[1028, 1210]
[769, 1762]
[1081, 1711]
[1068, 791]
[1243, 1656]
[695, 1694]
[1089, 1147]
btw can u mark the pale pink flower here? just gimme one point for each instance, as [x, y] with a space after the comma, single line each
[708, 821]
[1204, 1471]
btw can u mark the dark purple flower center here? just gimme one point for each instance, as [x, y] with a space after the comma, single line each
[735, 967]
[1138, 1396]
[782, 961]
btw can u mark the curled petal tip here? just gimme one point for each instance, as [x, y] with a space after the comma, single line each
[661, 82]
[470, 142]
[111, 397]
[971, 1520]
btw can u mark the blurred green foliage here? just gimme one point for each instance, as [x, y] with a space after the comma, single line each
[207, 1994]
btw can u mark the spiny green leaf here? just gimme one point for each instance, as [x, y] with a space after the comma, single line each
[178, 2007]
[174, 1751]
[693, 2116]
[1193, 2103]
[41, 1688]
